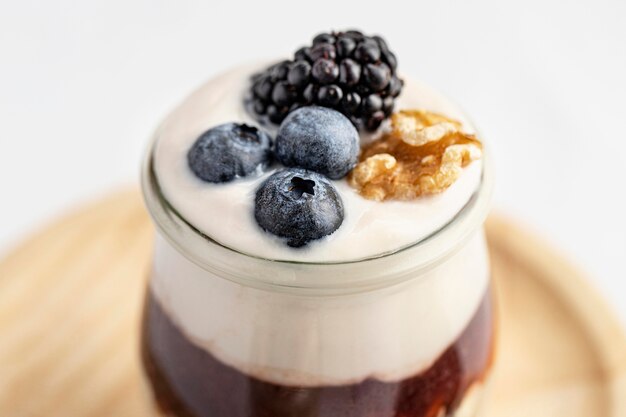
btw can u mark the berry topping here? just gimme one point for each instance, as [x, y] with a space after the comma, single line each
[349, 72]
[323, 50]
[319, 139]
[367, 51]
[298, 205]
[377, 76]
[298, 75]
[325, 71]
[373, 103]
[329, 95]
[283, 94]
[348, 63]
[228, 151]
[350, 102]
[345, 46]
[323, 38]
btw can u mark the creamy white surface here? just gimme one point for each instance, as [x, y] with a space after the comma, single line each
[294, 339]
[225, 211]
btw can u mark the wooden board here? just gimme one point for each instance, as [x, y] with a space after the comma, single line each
[70, 299]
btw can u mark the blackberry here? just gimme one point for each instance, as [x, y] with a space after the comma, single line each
[348, 71]
[325, 71]
[329, 95]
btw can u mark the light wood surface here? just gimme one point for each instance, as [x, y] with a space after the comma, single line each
[70, 298]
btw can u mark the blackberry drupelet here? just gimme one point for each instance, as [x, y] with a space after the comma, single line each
[347, 71]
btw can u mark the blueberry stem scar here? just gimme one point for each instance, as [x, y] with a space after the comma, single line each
[249, 133]
[300, 186]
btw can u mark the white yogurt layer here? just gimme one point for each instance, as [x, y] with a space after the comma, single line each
[293, 339]
[225, 212]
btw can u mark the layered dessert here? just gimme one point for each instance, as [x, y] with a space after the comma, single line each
[327, 168]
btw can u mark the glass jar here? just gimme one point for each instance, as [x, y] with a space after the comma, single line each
[409, 333]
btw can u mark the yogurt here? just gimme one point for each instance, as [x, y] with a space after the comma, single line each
[225, 212]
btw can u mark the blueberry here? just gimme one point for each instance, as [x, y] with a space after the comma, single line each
[298, 205]
[319, 139]
[228, 151]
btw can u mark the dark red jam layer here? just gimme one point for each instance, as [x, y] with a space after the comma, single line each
[189, 382]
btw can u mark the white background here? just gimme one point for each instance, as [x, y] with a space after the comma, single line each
[83, 83]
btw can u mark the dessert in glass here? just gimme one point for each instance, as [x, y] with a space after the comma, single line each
[319, 248]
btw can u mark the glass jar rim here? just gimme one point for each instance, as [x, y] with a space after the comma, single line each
[291, 275]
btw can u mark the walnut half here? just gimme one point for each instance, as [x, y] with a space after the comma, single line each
[423, 154]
